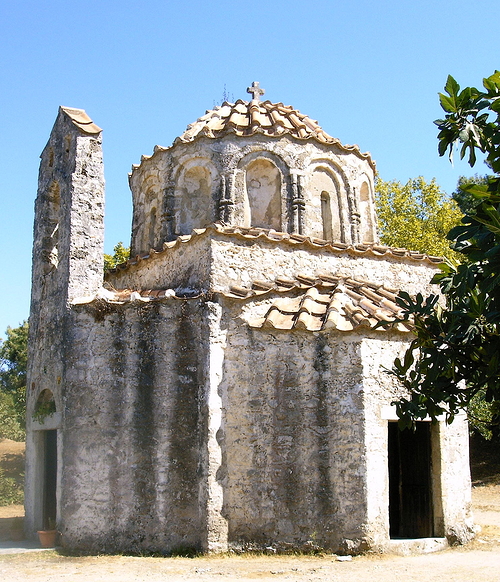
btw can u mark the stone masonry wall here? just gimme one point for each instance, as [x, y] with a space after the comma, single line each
[185, 267]
[239, 262]
[293, 434]
[450, 469]
[133, 428]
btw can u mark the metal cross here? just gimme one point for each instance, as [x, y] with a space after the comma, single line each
[255, 90]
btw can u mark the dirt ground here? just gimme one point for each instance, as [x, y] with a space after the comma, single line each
[476, 562]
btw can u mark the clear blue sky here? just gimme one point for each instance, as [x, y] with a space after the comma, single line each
[368, 71]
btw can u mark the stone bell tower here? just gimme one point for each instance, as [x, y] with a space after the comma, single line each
[67, 262]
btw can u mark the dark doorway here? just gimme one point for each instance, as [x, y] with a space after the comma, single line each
[410, 487]
[50, 479]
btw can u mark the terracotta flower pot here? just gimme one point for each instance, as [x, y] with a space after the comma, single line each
[47, 538]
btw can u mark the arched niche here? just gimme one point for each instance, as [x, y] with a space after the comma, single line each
[263, 194]
[146, 195]
[367, 221]
[323, 207]
[50, 158]
[194, 206]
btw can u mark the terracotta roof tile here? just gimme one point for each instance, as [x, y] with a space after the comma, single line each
[121, 296]
[326, 302]
[246, 118]
[350, 304]
[80, 118]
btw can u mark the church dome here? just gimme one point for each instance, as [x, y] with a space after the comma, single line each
[254, 164]
[246, 118]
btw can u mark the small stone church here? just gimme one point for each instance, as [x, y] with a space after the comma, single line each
[225, 388]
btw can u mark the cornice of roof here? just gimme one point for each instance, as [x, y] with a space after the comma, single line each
[295, 240]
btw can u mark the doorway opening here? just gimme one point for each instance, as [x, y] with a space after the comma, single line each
[410, 482]
[49, 478]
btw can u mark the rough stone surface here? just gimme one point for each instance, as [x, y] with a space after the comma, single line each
[181, 424]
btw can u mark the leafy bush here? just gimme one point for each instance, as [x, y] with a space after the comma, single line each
[11, 491]
[10, 427]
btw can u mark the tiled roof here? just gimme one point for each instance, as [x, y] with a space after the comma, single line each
[325, 302]
[122, 296]
[80, 118]
[296, 240]
[247, 118]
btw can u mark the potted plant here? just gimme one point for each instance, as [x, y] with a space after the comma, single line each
[48, 536]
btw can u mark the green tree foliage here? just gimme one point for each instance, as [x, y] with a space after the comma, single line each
[120, 255]
[13, 361]
[455, 356]
[10, 427]
[11, 489]
[417, 215]
[466, 202]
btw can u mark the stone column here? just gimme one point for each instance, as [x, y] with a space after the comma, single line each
[226, 200]
[168, 212]
[297, 203]
[355, 217]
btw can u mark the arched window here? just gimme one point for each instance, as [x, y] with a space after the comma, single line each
[50, 251]
[263, 188]
[152, 228]
[51, 157]
[326, 215]
[67, 145]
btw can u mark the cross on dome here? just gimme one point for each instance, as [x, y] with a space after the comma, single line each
[255, 90]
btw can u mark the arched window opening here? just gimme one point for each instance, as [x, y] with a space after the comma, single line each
[51, 157]
[263, 188]
[326, 215]
[67, 145]
[152, 228]
[44, 406]
[50, 250]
